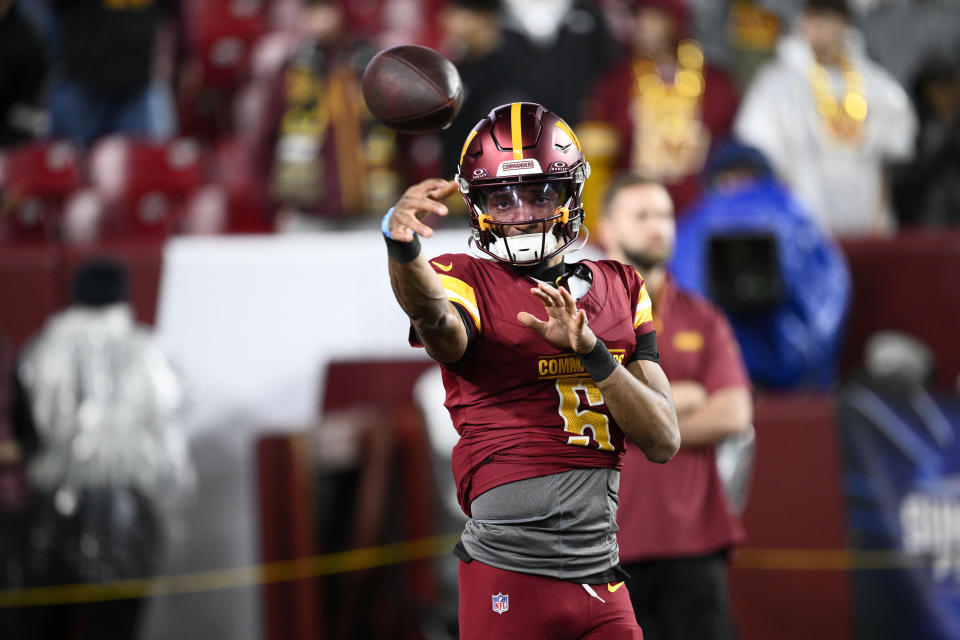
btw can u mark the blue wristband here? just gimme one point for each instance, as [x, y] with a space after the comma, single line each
[385, 223]
[399, 250]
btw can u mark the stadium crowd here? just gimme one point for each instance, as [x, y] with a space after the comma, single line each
[156, 117]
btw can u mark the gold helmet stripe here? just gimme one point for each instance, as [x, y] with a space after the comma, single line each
[466, 144]
[567, 130]
[515, 130]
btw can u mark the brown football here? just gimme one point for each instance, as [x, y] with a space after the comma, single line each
[412, 89]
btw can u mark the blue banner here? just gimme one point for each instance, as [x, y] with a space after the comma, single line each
[902, 485]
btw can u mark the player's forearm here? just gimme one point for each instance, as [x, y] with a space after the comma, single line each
[644, 413]
[420, 294]
[725, 412]
[418, 290]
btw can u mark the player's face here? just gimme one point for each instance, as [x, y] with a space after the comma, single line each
[640, 222]
[523, 204]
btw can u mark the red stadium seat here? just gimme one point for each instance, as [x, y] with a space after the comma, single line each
[35, 179]
[144, 185]
[213, 209]
[83, 218]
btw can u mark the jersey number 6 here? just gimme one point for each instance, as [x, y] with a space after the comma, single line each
[577, 422]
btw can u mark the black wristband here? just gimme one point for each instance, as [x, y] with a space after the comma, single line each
[403, 252]
[599, 363]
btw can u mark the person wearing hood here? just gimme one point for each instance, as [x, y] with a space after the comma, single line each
[755, 251]
[830, 121]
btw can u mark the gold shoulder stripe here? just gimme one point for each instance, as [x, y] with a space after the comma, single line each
[644, 311]
[567, 130]
[460, 292]
[516, 131]
[466, 144]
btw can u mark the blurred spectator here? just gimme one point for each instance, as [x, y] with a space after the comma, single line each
[475, 41]
[927, 191]
[23, 70]
[509, 51]
[321, 154]
[829, 120]
[677, 559]
[103, 73]
[658, 112]
[903, 34]
[107, 458]
[752, 28]
[558, 48]
[753, 249]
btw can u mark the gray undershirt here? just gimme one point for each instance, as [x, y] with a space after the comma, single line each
[561, 526]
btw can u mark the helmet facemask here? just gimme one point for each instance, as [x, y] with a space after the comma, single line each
[526, 222]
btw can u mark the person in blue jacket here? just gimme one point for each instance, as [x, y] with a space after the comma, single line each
[789, 315]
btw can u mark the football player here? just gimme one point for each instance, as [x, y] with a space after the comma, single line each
[547, 366]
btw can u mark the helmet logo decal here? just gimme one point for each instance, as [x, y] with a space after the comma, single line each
[567, 130]
[558, 165]
[481, 172]
[518, 167]
[516, 131]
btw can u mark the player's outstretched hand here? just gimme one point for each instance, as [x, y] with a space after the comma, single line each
[566, 326]
[416, 203]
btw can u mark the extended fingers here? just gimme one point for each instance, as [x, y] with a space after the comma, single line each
[546, 291]
[408, 212]
[567, 300]
[402, 227]
[429, 186]
[559, 298]
[544, 296]
[441, 188]
[422, 204]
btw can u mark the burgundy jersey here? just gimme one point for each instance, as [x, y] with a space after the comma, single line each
[692, 516]
[522, 407]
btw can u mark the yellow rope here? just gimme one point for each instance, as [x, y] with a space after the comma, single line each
[281, 571]
[825, 560]
[399, 552]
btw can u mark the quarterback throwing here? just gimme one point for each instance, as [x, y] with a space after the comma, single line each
[548, 366]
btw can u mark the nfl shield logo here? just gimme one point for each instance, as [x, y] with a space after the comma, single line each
[501, 603]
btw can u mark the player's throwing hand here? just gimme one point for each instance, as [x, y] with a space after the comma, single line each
[416, 203]
[566, 326]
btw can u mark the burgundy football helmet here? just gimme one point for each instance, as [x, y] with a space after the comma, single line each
[521, 174]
